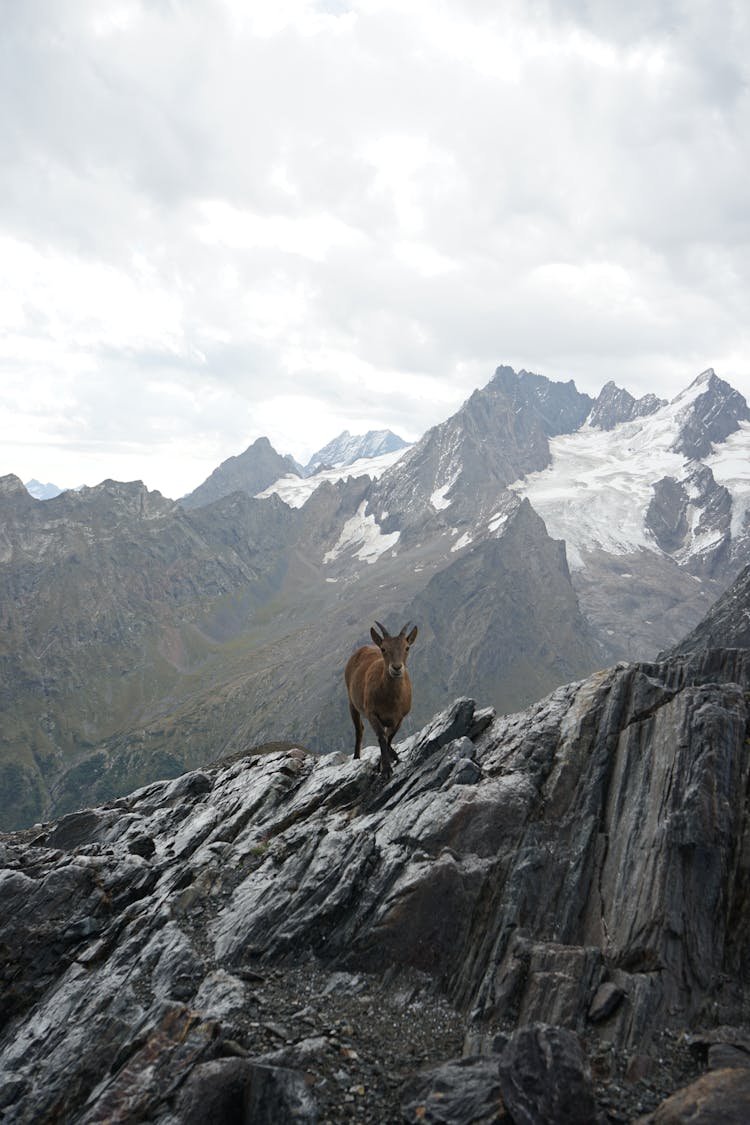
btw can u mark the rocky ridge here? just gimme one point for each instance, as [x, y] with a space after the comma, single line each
[565, 889]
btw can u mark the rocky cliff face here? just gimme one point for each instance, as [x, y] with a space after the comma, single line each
[714, 414]
[464, 464]
[572, 879]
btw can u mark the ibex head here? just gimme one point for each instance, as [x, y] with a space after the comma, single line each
[394, 649]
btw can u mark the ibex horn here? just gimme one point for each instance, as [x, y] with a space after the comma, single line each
[383, 629]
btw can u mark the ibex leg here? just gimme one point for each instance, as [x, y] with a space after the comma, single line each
[385, 750]
[358, 728]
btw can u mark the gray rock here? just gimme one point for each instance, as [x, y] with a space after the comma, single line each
[605, 1001]
[543, 1078]
[719, 1098]
[241, 1092]
[539, 1078]
[178, 970]
[614, 405]
[220, 994]
[461, 1092]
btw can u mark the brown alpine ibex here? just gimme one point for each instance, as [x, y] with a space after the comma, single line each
[379, 688]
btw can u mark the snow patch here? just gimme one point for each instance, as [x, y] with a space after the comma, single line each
[362, 532]
[730, 464]
[464, 541]
[438, 500]
[498, 521]
[598, 488]
[296, 491]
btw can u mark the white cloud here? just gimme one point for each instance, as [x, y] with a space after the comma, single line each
[220, 219]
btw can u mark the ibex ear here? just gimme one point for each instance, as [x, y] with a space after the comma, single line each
[412, 636]
[378, 640]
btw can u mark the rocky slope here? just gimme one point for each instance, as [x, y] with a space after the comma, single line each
[727, 624]
[566, 889]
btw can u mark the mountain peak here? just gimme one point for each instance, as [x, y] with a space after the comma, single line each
[249, 472]
[614, 405]
[42, 491]
[13, 486]
[347, 448]
[709, 411]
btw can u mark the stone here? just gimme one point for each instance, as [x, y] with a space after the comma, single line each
[640, 1067]
[544, 1079]
[721, 1055]
[721, 1097]
[606, 999]
[460, 1092]
[241, 1092]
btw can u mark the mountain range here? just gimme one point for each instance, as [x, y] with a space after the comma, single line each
[536, 535]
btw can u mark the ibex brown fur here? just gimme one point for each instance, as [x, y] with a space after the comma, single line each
[379, 688]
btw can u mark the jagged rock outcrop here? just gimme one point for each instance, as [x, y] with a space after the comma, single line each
[614, 405]
[581, 865]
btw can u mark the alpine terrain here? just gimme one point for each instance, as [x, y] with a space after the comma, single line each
[535, 536]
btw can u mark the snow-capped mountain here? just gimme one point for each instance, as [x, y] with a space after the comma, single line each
[260, 470]
[348, 448]
[650, 497]
[41, 491]
[657, 483]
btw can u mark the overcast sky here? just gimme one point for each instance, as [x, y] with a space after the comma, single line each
[227, 218]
